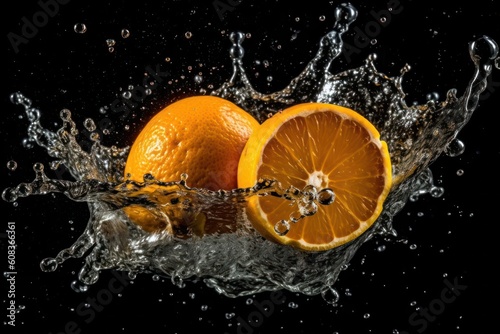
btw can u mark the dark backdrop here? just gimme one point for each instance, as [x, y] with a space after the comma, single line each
[441, 241]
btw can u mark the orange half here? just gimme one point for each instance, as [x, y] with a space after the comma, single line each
[326, 146]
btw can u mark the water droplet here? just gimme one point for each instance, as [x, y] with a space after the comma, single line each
[455, 148]
[331, 296]
[27, 143]
[125, 33]
[80, 28]
[326, 196]
[188, 34]
[12, 165]
[77, 286]
[9, 195]
[282, 227]
[437, 192]
[198, 79]
[434, 96]
[89, 124]
[48, 264]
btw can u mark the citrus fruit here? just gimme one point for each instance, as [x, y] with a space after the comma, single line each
[325, 146]
[202, 136]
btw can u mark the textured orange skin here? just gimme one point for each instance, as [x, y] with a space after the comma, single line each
[202, 136]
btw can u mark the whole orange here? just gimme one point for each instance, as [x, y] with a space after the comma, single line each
[201, 136]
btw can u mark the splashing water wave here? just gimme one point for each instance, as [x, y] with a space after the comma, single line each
[243, 263]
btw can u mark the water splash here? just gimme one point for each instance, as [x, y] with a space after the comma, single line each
[243, 262]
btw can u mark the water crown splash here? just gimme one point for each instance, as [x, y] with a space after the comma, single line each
[243, 263]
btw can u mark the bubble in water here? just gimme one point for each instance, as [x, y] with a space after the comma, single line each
[188, 34]
[230, 315]
[373, 41]
[156, 278]
[460, 172]
[366, 315]
[381, 248]
[204, 307]
[249, 301]
[125, 33]
[127, 95]
[322, 18]
[293, 305]
[12, 165]
[80, 28]
[497, 62]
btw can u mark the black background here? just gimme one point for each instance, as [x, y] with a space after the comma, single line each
[454, 235]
